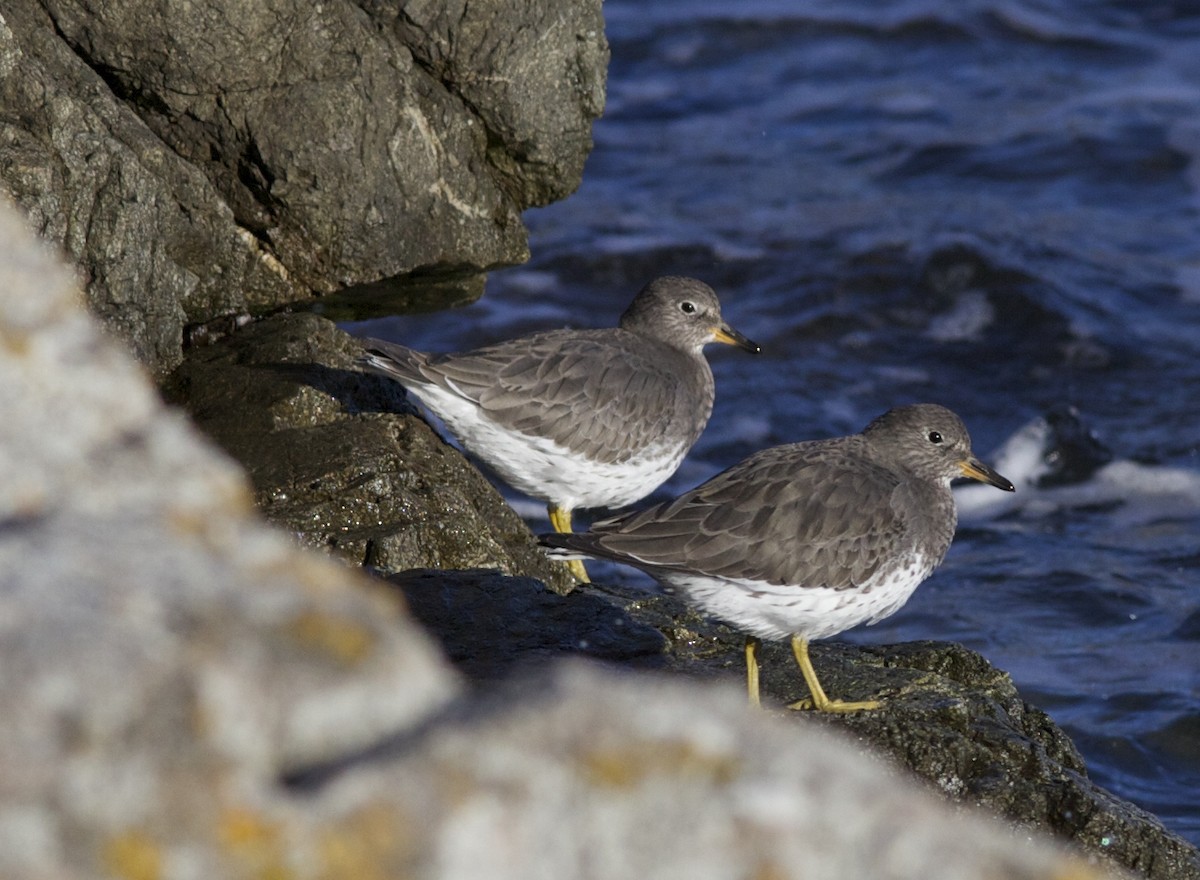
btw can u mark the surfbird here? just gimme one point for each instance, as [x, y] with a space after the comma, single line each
[806, 540]
[580, 418]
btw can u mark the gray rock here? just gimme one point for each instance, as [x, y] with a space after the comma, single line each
[340, 458]
[155, 243]
[495, 71]
[949, 717]
[574, 773]
[223, 156]
[165, 654]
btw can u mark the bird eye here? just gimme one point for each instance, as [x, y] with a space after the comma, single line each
[687, 307]
[935, 437]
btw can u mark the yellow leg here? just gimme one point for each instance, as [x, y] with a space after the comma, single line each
[752, 672]
[560, 521]
[819, 700]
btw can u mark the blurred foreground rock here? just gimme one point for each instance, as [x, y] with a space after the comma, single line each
[187, 694]
[576, 773]
[950, 717]
[165, 655]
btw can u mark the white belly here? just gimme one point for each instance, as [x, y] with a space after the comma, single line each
[543, 469]
[779, 612]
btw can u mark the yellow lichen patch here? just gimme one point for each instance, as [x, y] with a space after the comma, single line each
[14, 341]
[1075, 869]
[216, 520]
[629, 764]
[346, 640]
[373, 843]
[254, 842]
[766, 869]
[317, 575]
[187, 521]
[132, 855]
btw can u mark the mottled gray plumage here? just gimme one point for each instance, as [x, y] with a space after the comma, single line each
[633, 398]
[603, 394]
[826, 513]
[809, 539]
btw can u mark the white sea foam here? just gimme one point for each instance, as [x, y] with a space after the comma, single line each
[1140, 493]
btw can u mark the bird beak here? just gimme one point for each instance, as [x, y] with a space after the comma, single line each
[726, 334]
[974, 469]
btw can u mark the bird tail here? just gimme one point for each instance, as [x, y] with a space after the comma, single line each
[566, 545]
[394, 361]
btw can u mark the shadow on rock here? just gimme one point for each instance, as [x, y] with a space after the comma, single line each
[491, 625]
[339, 458]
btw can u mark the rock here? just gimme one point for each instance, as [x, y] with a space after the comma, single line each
[211, 158]
[950, 717]
[577, 773]
[340, 457]
[494, 627]
[495, 71]
[165, 655]
[188, 694]
[152, 238]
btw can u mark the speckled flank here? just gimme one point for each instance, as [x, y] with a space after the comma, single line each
[778, 611]
[542, 468]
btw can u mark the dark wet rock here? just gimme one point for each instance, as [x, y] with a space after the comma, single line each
[412, 294]
[493, 627]
[341, 458]
[950, 717]
[222, 156]
[1072, 452]
[960, 723]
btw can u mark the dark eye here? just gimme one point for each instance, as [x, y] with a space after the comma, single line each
[687, 307]
[935, 437]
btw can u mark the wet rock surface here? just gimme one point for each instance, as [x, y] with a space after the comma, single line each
[342, 459]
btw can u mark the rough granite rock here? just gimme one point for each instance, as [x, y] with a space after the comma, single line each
[188, 694]
[494, 71]
[156, 246]
[208, 158]
[950, 717]
[616, 776]
[341, 458]
[163, 653]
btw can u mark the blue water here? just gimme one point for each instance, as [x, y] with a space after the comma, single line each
[985, 204]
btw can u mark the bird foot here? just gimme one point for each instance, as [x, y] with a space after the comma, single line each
[840, 707]
[578, 571]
